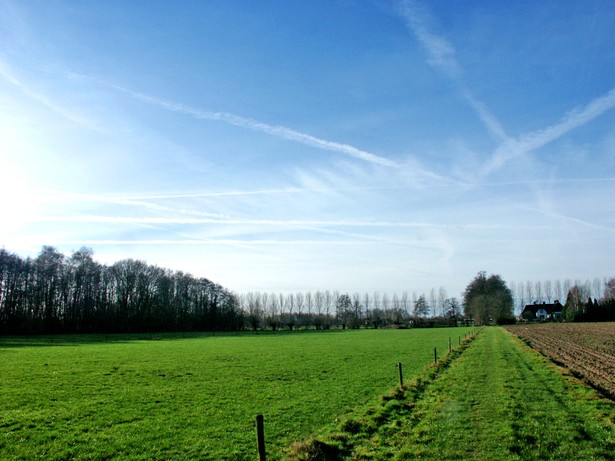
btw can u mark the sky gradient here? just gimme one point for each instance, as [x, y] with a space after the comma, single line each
[285, 146]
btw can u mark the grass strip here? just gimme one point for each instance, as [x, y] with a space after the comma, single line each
[373, 423]
[499, 400]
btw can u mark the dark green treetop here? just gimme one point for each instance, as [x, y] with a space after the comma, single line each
[488, 300]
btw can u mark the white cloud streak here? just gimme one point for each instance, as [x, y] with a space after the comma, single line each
[514, 148]
[9, 75]
[303, 224]
[231, 242]
[255, 125]
[559, 216]
[441, 56]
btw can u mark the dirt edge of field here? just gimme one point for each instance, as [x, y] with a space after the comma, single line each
[594, 367]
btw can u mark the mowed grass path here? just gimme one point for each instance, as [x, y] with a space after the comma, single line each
[500, 400]
[96, 397]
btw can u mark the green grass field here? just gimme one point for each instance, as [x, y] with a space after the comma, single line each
[193, 397]
[499, 400]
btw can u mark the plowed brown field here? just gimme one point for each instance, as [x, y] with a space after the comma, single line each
[586, 349]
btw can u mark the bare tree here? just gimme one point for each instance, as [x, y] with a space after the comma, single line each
[529, 292]
[343, 306]
[274, 310]
[609, 289]
[452, 311]
[253, 305]
[355, 316]
[442, 296]
[328, 298]
[405, 304]
[376, 313]
[597, 289]
[513, 290]
[319, 301]
[538, 291]
[521, 295]
[309, 303]
[421, 308]
[557, 291]
[299, 305]
[366, 306]
[396, 311]
[289, 317]
[376, 300]
[264, 303]
[395, 303]
[548, 290]
[385, 302]
[432, 301]
[567, 286]
[588, 288]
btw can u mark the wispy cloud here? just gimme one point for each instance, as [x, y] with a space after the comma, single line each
[303, 224]
[489, 120]
[232, 242]
[10, 76]
[145, 202]
[514, 148]
[441, 56]
[441, 53]
[571, 219]
[255, 125]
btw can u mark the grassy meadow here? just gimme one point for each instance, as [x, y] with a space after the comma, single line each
[498, 400]
[193, 396]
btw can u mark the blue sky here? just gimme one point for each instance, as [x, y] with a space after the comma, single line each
[292, 146]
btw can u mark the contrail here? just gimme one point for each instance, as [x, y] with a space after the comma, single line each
[531, 141]
[441, 56]
[304, 224]
[231, 242]
[255, 125]
[9, 76]
[572, 219]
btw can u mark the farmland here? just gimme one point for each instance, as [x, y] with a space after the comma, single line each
[499, 400]
[193, 396]
[586, 349]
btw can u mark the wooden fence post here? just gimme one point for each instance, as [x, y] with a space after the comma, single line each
[435, 355]
[260, 437]
[449, 345]
[401, 376]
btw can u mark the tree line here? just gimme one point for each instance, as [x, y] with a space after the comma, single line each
[580, 307]
[328, 309]
[53, 293]
[582, 301]
[486, 300]
[56, 294]
[532, 291]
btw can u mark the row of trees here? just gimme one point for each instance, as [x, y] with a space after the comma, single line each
[326, 309]
[487, 299]
[539, 291]
[53, 293]
[56, 294]
[580, 307]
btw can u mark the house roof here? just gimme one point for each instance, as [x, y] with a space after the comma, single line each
[550, 308]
